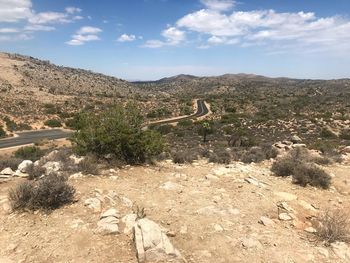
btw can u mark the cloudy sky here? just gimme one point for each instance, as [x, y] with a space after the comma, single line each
[150, 39]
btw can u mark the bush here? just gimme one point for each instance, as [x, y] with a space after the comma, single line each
[334, 226]
[185, 123]
[259, 154]
[184, 157]
[222, 156]
[2, 133]
[117, 131]
[304, 174]
[32, 153]
[53, 123]
[89, 165]
[283, 167]
[48, 193]
[10, 162]
[35, 171]
[327, 133]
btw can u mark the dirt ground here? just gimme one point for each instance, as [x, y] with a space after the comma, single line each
[212, 209]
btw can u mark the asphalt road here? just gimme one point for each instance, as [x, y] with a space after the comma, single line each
[33, 136]
[30, 137]
[201, 111]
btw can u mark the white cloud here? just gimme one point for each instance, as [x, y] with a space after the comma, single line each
[290, 30]
[50, 18]
[9, 30]
[126, 38]
[72, 10]
[220, 5]
[173, 36]
[38, 28]
[15, 10]
[89, 30]
[85, 34]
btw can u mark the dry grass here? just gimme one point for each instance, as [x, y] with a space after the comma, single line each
[334, 225]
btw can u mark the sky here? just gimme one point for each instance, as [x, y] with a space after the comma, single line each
[152, 39]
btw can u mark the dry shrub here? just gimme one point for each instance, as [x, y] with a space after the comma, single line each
[35, 171]
[48, 193]
[334, 226]
[305, 173]
[283, 167]
[220, 156]
[10, 162]
[184, 157]
[89, 165]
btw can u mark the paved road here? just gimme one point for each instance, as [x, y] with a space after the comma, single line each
[202, 110]
[33, 136]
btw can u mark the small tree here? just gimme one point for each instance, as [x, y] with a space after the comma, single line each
[117, 131]
[205, 129]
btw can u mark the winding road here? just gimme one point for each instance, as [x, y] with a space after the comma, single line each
[29, 137]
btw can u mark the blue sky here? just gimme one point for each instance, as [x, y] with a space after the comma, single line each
[151, 39]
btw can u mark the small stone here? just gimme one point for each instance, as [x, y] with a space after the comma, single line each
[111, 212]
[250, 243]
[126, 201]
[108, 225]
[94, 204]
[7, 171]
[211, 177]
[266, 221]
[171, 186]
[296, 139]
[310, 229]
[284, 217]
[218, 228]
[171, 233]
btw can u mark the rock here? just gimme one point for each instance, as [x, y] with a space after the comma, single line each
[52, 167]
[218, 228]
[128, 222]
[7, 171]
[111, 212]
[266, 221]
[323, 251]
[254, 181]
[342, 250]
[152, 244]
[171, 186]
[76, 159]
[76, 175]
[296, 139]
[250, 243]
[23, 166]
[285, 207]
[310, 229]
[283, 196]
[306, 205]
[94, 204]
[126, 201]
[211, 177]
[284, 217]
[18, 173]
[301, 145]
[108, 225]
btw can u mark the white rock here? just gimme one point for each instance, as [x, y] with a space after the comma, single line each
[171, 186]
[76, 175]
[52, 167]
[23, 166]
[211, 177]
[126, 201]
[129, 222]
[346, 149]
[218, 228]
[250, 243]
[283, 196]
[108, 225]
[284, 217]
[7, 171]
[152, 243]
[94, 204]
[310, 229]
[266, 221]
[76, 159]
[18, 173]
[110, 212]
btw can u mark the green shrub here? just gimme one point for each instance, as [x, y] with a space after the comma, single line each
[32, 153]
[327, 133]
[10, 124]
[2, 133]
[184, 157]
[48, 193]
[283, 167]
[345, 135]
[220, 156]
[185, 123]
[53, 123]
[117, 131]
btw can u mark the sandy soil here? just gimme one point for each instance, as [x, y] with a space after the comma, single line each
[212, 210]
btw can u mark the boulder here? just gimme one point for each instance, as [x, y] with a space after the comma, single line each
[24, 166]
[108, 225]
[7, 172]
[152, 244]
[94, 204]
[346, 149]
[111, 212]
[52, 167]
[129, 222]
